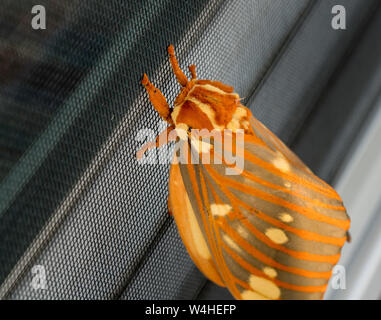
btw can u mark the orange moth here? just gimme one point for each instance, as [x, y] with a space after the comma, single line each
[268, 228]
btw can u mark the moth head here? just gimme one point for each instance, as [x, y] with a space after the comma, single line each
[204, 104]
[201, 104]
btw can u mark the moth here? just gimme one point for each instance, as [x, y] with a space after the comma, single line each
[270, 229]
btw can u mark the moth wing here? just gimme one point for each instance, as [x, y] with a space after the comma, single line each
[274, 231]
[189, 228]
[273, 142]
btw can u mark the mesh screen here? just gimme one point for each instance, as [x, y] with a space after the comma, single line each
[72, 196]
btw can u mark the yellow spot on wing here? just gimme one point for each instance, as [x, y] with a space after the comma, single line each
[230, 242]
[285, 217]
[195, 231]
[281, 163]
[270, 272]
[243, 232]
[220, 209]
[265, 287]
[276, 235]
[198, 237]
[251, 295]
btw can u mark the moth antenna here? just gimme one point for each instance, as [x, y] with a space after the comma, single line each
[192, 69]
[157, 99]
[181, 78]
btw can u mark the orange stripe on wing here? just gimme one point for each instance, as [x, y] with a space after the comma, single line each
[268, 184]
[266, 134]
[217, 254]
[305, 234]
[265, 259]
[328, 192]
[251, 269]
[308, 212]
[254, 178]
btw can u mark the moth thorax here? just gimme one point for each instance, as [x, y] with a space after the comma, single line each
[207, 106]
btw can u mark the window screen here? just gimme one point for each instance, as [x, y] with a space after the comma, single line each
[73, 198]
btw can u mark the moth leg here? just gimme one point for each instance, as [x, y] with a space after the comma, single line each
[192, 69]
[163, 138]
[157, 99]
[181, 78]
